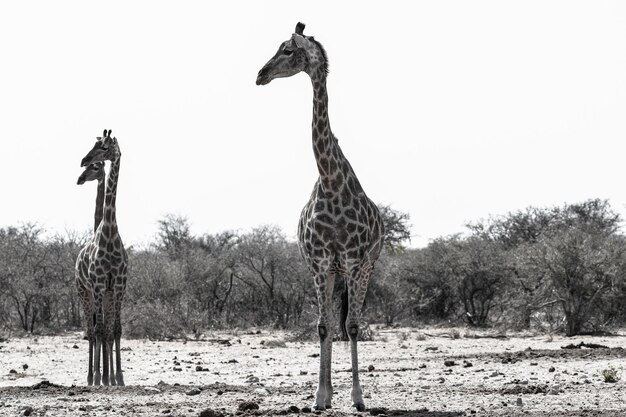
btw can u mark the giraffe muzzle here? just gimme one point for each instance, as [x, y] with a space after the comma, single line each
[262, 78]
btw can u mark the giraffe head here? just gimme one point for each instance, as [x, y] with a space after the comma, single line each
[299, 53]
[105, 149]
[94, 171]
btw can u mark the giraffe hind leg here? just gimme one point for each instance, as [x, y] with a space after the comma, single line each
[357, 287]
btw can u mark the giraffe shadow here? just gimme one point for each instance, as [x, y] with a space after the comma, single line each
[422, 412]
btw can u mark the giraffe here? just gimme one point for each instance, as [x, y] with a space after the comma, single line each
[108, 265]
[340, 232]
[85, 289]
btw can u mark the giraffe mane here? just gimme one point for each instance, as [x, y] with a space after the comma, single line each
[324, 55]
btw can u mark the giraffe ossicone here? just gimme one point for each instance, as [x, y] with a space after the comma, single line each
[340, 232]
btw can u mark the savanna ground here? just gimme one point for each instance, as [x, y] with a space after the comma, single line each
[411, 372]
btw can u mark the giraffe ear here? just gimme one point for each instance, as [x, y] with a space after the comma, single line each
[104, 135]
[109, 134]
[298, 40]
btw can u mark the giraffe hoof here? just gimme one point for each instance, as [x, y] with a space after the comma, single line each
[319, 407]
[359, 407]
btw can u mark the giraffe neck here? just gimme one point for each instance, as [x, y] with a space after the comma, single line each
[328, 155]
[111, 194]
[99, 205]
[336, 173]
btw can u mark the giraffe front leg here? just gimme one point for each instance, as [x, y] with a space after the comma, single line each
[99, 336]
[329, 354]
[324, 285]
[357, 287]
[92, 345]
[109, 319]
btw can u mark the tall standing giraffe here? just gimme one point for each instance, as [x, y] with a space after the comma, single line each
[108, 266]
[340, 232]
[83, 284]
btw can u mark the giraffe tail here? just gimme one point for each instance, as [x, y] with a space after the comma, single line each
[343, 316]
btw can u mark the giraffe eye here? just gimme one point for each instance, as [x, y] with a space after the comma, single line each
[288, 51]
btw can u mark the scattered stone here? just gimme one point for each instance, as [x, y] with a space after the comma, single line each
[432, 348]
[75, 347]
[370, 368]
[449, 363]
[200, 368]
[262, 392]
[467, 364]
[209, 412]
[519, 402]
[375, 411]
[534, 364]
[26, 411]
[233, 361]
[25, 366]
[552, 369]
[303, 372]
[82, 408]
[422, 366]
[152, 389]
[177, 369]
[441, 380]
[247, 406]
[252, 379]
[293, 409]
[314, 355]
[12, 371]
[306, 409]
[193, 391]
[555, 389]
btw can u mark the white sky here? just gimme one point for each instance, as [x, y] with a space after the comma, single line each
[448, 110]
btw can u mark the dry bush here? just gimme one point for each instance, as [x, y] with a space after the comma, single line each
[152, 321]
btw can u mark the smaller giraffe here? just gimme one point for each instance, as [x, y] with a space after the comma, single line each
[85, 289]
[108, 267]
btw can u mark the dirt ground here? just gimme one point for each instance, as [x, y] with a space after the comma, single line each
[408, 372]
